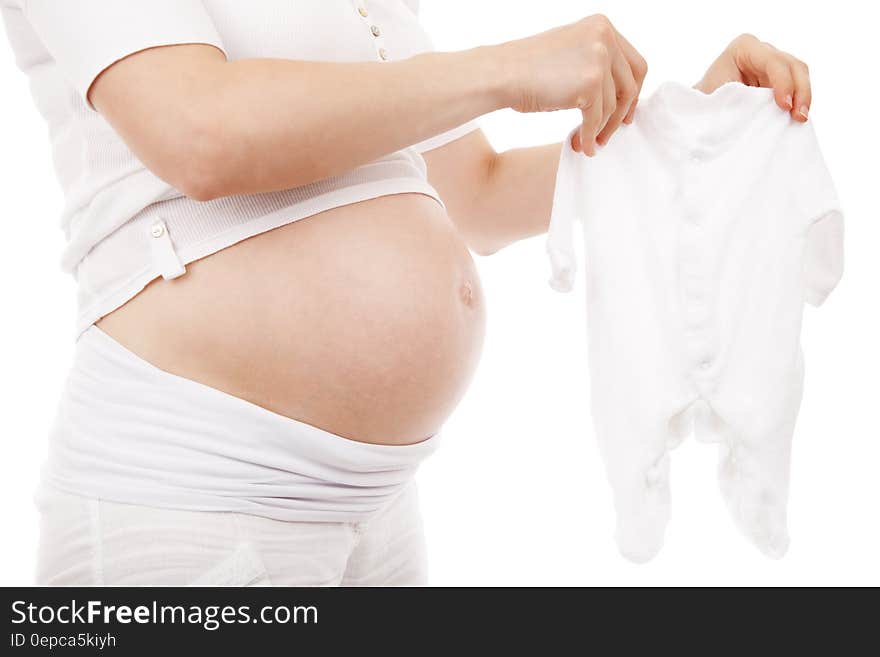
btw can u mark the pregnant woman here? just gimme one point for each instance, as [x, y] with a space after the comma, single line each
[269, 211]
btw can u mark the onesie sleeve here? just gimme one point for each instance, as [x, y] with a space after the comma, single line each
[817, 196]
[422, 43]
[567, 208]
[85, 37]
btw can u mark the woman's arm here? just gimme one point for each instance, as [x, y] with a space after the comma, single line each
[214, 128]
[496, 199]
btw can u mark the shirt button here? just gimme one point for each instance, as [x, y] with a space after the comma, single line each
[375, 30]
[363, 11]
[696, 158]
[383, 53]
[706, 364]
[158, 230]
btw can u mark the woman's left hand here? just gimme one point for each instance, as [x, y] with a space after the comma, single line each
[759, 64]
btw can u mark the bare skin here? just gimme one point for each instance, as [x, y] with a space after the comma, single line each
[366, 320]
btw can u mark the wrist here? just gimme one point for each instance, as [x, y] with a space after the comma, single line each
[495, 75]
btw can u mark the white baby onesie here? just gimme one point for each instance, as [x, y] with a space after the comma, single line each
[707, 223]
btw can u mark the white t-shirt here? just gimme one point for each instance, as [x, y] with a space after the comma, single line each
[707, 224]
[124, 225]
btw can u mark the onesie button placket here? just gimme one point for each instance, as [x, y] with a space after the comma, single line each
[375, 30]
[693, 274]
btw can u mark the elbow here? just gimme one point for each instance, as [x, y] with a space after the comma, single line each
[199, 187]
[197, 162]
[477, 240]
[483, 249]
[201, 178]
[210, 155]
[480, 244]
[213, 164]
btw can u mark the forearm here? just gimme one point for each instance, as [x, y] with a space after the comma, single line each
[259, 125]
[297, 122]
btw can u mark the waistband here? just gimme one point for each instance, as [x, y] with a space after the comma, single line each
[165, 236]
[129, 432]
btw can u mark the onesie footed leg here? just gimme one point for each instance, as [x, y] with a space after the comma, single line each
[642, 504]
[754, 484]
[640, 539]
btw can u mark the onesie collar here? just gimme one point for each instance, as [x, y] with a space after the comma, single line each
[687, 120]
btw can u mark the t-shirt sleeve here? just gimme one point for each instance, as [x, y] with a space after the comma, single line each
[422, 43]
[823, 252]
[84, 37]
[567, 209]
[823, 264]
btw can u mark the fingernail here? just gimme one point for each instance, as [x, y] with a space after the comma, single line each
[804, 111]
[789, 101]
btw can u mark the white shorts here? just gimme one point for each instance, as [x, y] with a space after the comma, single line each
[152, 478]
[91, 542]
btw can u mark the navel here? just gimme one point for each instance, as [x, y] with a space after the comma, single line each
[466, 291]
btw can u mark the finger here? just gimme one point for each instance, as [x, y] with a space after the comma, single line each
[639, 68]
[779, 78]
[576, 141]
[602, 83]
[591, 111]
[609, 102]
[632, 111]
[625, 90]
[590, 124]
[751, 57]
[803, 92]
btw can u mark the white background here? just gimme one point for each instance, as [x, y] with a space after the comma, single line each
[517, 494]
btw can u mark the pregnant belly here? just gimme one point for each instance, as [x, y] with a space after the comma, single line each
[366, 320]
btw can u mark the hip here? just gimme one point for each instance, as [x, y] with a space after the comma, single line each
[131, 433]
[88, 541]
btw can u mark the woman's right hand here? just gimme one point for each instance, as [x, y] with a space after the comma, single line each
[586, 65]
